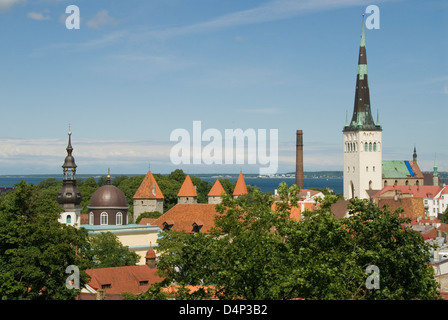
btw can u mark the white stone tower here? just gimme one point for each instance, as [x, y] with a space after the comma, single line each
[362, 138]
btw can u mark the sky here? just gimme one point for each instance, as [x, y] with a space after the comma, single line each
[137, 71]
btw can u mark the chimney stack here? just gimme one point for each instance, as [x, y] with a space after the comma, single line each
[299, 159]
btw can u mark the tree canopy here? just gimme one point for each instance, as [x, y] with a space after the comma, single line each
[255, 252]
[35, 249]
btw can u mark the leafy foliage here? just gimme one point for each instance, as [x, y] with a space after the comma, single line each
[258, 253]
[107, 251]
[35, 249]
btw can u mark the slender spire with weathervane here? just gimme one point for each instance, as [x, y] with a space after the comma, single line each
[362, 116]
[69, 197]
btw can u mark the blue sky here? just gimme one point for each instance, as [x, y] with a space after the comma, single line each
[137, 70]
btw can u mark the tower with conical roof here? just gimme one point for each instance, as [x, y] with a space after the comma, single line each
[362, 138]
[216, 193]
[240, 187]
[435, 175]
[148, 197]
[69, 197]
[187, 192]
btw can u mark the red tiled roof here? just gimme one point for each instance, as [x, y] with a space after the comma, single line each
[217, 190]
[416, 169]
[145, 221]
[183, 216]
[240, 187]
[187, 189]
[416, 191]
[145, 191]
[132, 279]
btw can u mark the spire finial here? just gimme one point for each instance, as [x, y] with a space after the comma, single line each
[363, 33]
[108, 175]
[435, 166]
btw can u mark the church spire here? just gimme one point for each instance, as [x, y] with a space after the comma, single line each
[362, 116]
[69, 166]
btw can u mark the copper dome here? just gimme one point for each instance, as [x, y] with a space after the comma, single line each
[108, 196]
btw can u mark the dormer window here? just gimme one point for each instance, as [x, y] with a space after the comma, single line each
[167, 225]
[197, 226]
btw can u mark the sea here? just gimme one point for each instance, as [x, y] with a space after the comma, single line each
[264, 184]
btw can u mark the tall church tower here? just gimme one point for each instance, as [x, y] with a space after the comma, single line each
[69, 198]
[362, 138]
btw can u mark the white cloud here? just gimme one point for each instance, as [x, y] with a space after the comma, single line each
[102, 18]
[5, 5]
[270, 11]
[48, 154]
[38, 16]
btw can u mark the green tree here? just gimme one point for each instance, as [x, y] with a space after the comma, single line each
[35, 249]
[107, 251]
[258, 253]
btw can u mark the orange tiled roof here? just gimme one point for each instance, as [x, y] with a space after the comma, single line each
[187, 189]
[412, 207]
[217, 190]
[240, 187]
[295, 213]
[145, 191]
[183, 216]
[133, 279]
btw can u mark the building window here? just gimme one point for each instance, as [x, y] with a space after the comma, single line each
[119, 218]
[104, 218]
[365, 146]
[374, 146]
[367, 169]
[370, 185]
[91, 221]
[370, 146]
[106, 286]
[68, 219]
[373, 169]
[144, 283]
[385, 183]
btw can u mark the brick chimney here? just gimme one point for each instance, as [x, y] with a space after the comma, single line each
[299, 159]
